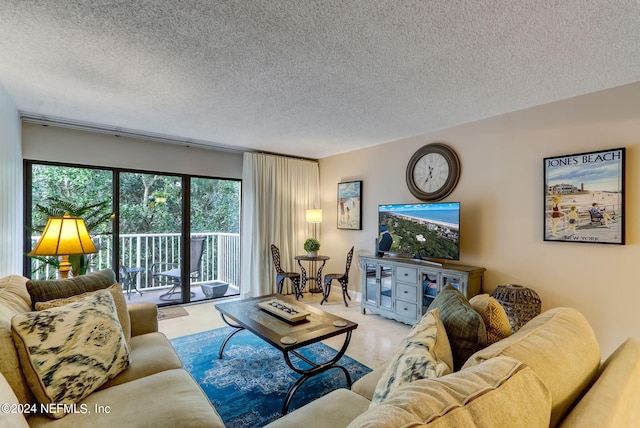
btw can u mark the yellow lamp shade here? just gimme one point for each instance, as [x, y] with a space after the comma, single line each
[64, 236]
[314, 215]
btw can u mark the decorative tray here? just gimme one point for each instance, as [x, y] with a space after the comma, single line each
[284, 310]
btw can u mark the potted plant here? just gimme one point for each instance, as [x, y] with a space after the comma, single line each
[311, 246]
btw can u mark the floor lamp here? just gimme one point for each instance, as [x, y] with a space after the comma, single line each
[64, 236]
[314, 216]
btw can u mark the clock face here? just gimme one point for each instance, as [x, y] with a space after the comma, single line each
[431, 172]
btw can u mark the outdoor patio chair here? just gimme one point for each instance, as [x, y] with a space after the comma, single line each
[171, 274]
[342, 278]
[281, 274]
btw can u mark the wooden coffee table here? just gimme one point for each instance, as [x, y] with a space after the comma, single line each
[288, 336]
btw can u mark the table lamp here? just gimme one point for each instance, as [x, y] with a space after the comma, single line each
[64, 236]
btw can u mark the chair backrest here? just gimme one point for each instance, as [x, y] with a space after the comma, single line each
[197, 249]
[275, 254]
[349, 258]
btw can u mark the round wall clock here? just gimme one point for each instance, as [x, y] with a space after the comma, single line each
[433, 172]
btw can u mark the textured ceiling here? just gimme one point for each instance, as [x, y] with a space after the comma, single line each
[308, 78]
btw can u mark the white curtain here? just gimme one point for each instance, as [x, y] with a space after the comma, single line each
[276, 192]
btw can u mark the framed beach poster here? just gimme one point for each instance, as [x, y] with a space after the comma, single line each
[349, 205]
[584, 197]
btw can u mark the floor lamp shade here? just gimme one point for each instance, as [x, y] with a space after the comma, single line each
[314, 215]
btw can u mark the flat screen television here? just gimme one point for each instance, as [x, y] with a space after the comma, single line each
[424, 231]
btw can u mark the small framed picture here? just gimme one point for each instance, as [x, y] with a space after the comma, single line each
[584, 197]
[350, 205]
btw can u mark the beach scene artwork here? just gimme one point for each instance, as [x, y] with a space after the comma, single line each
[584, 197]
[349, 205]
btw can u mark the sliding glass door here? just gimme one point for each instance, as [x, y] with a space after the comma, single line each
[80, 192]
[150, 232]
[154, 247]
[215, 218]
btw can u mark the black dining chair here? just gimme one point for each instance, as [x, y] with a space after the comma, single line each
[342, 278]
[281, 275]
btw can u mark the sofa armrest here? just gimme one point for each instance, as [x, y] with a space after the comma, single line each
[612, 401]
[366, 385]
[144, 318]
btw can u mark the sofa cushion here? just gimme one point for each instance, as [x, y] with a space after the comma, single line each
[9, 415]
[69, 351]
[612, 401]
[150, 353]
[48, 289]
[336, 409]
[167, 399]
[465, 327]
[423, 353]
[501, 392]
[560, 346]
[14, 300]
[118, 299]
[494, 316]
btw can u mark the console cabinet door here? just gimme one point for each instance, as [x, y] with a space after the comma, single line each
[386, 287]
[378, 290]
[458, 281]
[429, 287]
[371, 292]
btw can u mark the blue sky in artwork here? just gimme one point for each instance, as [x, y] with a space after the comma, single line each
[349, 190]
[604, 176]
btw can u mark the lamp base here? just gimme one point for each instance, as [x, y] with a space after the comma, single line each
[64, 268]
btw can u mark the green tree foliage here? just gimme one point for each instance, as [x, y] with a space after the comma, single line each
[149, 203]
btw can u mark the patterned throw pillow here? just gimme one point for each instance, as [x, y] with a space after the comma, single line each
[42, 290]
[67, 352]
[424, 353]
[465, 327]
[495, 317]
[118, 299]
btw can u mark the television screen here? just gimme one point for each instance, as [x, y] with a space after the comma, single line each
[429, 231]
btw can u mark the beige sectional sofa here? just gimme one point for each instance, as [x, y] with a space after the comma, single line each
[153, 391]
[549, 373]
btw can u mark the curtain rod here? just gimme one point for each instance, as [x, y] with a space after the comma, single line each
[123, 132]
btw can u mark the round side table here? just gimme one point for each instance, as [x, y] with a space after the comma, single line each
[520, 303]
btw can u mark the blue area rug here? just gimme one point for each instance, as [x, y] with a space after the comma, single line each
[249, 385]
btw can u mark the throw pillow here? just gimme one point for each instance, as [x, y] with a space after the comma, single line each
[43, 290]
[465, 327]
[424, 353]
[495, 317]
[69, 351]
[118, 299]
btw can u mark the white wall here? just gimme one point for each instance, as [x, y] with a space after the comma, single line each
[80, 147]
[10, 188]
[501, 195]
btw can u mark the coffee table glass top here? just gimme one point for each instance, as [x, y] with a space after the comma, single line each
[319, 325]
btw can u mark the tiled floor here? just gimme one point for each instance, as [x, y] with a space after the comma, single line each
[372, 343]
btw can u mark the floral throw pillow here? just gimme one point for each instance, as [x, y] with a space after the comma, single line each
[68, 352]
[118, 299]
[424, 353]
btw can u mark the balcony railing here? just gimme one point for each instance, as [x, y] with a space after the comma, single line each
[220, 259]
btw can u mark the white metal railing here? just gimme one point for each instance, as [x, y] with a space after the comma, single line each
[220, 258]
